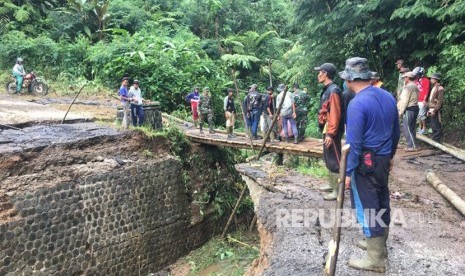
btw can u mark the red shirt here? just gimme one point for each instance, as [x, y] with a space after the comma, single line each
[423, 85]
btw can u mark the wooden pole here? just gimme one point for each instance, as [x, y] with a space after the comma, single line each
[456, 152]
[12, 127]
[333, 246]
[445, 191]
[275, 118]
[234, 211]
[252, 223]
[269, 72]
[69, 108]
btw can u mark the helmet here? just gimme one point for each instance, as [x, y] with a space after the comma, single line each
[419, 71]
[19, 60]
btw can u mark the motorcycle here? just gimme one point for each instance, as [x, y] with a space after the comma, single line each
[34, 85]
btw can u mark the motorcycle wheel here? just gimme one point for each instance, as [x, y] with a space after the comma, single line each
[10, 87]
[39, 88]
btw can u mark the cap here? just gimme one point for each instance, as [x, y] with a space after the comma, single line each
[356, 68]
[229, 90]
[281, 87]
[375, 76]
[296, 85]
[124, 78]
[269, 88]
[408, 74]
[253, 86]
[436, 76]
[136, 81]
[327, 67]
[206, 88]
[400, 61]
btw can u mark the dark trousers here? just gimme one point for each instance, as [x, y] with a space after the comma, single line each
[301, 121]
[409, 123]
[254, 120]
[436, 126]
[332, 155]
[370, 196]
[137, 114]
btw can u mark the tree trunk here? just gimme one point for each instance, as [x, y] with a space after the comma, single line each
[456, 152]
[445, 191]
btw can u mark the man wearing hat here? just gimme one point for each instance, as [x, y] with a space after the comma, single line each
[435, 101]
[301, 101]
[206, 110]
[408, 110]
[137, 111]
[268, 113]
[330, 119]
[230, 112]
[376, 80]
[373, 134]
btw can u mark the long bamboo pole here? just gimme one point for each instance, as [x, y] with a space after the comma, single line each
[330, 267]
[445, 191]
[238, 202]
[69, 108]
[456, 152]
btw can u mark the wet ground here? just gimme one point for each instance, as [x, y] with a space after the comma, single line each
[431, 241]
[427, 234]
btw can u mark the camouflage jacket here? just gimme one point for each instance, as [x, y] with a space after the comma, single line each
[205, 104]
[301, 100]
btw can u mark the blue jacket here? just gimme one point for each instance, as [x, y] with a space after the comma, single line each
[193, 96]
[372, 123]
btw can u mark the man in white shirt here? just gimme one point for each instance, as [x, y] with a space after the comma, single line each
[137, 111]
[288, 113]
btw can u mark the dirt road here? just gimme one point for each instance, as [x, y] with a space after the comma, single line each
[427, 236]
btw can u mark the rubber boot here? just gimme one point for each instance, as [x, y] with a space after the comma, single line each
[374, 261]
[232, 132]
[229, 130]
[201, 128]
[333, 182]
[296, 140]
[210, 129]
[363, 243]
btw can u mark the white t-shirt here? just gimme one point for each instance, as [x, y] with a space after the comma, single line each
[135, 93]
[286, 109]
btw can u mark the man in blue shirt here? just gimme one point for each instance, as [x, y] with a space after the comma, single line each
[123, 94]
[373, 134]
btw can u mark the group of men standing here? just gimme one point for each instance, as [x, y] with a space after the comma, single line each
[419, 98]
[257, 109]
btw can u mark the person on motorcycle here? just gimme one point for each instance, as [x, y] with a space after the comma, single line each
[19, 73]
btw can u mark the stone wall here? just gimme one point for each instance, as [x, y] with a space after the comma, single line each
[134, 218]
[152, 115]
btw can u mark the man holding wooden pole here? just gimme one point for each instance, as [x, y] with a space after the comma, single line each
[373, 134]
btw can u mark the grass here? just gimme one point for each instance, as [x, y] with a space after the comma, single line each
[315, 167]
[221, 257]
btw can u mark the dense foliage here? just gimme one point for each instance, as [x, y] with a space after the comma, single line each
[171, 46]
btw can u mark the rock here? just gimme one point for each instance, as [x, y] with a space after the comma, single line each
[462, 224]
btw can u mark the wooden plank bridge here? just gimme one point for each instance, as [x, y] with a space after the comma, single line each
[310, 147]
